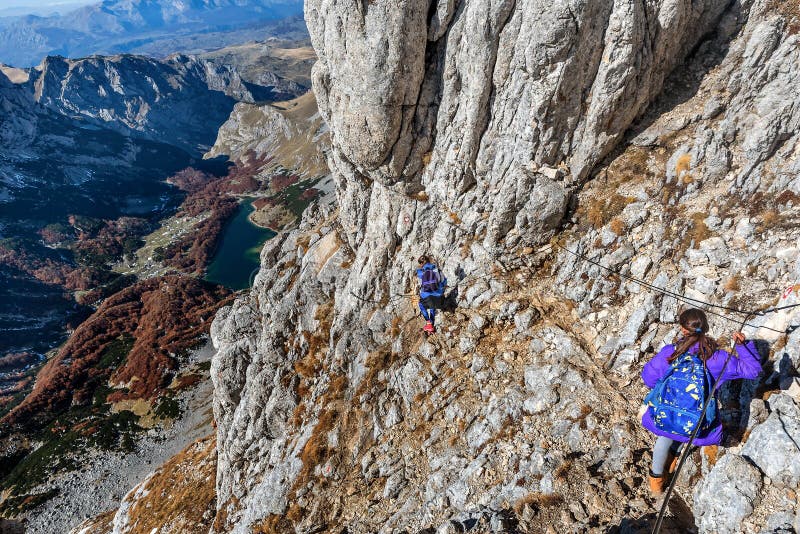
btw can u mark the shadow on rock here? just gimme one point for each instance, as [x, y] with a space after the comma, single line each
[679, 519]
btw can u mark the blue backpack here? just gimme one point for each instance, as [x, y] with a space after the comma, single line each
[430, 279]
[676, 402]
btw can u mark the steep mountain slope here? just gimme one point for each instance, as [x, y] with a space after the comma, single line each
[181, 100]
[187, 480]
[291, 134]
[87, 141]
[478, 131]
[50, 169]
[151, 324]
[115, 26]
[18, 120]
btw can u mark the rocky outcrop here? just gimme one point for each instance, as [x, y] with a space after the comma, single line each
[267, 62]
[18, 121]
[728, 499]
[490, 93]
[648, 137]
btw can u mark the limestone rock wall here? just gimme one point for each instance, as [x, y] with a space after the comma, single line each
[657, 138]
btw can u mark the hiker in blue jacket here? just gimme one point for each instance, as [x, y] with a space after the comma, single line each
[693, 357]
[432, 286]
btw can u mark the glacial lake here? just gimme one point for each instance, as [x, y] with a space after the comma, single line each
[237, 257]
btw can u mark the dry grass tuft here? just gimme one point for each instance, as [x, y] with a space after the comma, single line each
[318, 342]
[394, 330]
[304, 242]
[297, 415]
[683, 164]
[786, 197]
[538, 501]
[221, 519]
[732, 284]
[712, 454]
[376, 362]
[273, 524]
[295, 513]
[697, 232]
[601, 211]
[315, 450]
[769, 219]
[617, 226]
[307, 366]
[562, 470]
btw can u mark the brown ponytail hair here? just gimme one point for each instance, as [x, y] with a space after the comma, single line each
[696, 323]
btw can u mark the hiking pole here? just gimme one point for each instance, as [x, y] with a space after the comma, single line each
[685, 451]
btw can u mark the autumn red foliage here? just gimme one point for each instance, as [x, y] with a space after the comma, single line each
[193, 251]
[309, 193]
[279, 182]
[15, 360]
[48, 270]
[53, 234]
[263, 202]
[164, 317]
[94, 242]
[216, 198]
[188, 381]
[111, 240]
[190, 179]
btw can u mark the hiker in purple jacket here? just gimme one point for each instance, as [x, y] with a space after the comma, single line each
[745, 364]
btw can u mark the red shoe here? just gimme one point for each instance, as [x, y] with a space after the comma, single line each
[428, 328]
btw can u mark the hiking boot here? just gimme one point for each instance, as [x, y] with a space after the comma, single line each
[656, 484]
[672, 462]
[428, 328]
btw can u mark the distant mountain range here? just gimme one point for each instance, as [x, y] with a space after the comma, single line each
[32, 7]
[155, 27]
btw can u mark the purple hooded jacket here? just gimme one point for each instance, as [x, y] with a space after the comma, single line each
[746, 365]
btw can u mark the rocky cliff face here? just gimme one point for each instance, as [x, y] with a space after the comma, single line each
[182, 100]
[660, 139]
[18, 121]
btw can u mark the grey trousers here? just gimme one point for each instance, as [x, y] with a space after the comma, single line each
[661, 451]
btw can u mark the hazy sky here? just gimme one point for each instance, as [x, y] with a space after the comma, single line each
[40, 7]
[41, 3]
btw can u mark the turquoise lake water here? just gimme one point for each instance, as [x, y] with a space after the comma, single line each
[237, 257]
